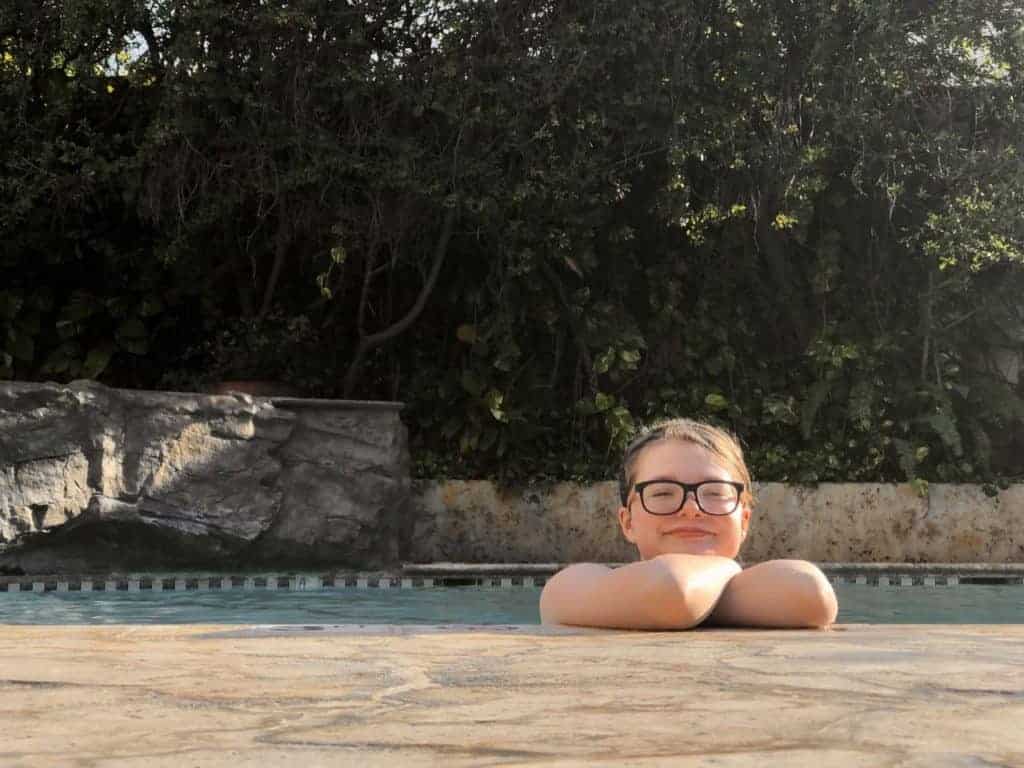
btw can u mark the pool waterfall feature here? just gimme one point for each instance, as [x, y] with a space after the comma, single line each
[96, 480]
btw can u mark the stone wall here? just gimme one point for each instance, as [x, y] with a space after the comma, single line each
[97, 479]
[476, 521]
[93, 478]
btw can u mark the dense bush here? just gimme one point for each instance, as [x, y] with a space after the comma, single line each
[540, 224]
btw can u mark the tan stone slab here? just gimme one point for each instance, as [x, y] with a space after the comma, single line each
[379, 696]
[963, 522]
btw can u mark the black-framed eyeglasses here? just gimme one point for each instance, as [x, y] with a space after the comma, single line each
[666, 497]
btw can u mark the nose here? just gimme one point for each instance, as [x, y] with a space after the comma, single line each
[690, 506]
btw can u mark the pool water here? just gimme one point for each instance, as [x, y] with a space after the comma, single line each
[966, 604]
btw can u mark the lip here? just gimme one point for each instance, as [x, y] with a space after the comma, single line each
[688, 533]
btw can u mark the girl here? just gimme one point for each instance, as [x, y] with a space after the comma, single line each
[686, 505]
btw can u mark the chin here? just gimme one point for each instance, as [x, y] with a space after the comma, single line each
[683, 547]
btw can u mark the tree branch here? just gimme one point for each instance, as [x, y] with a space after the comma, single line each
[366, 343]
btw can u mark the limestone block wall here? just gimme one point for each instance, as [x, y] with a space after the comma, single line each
[93, 478]
[475, 521]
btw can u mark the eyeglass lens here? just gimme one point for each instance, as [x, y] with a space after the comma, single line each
[667, 498]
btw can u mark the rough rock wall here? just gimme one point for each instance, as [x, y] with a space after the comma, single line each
[476, 521]
[98, 478]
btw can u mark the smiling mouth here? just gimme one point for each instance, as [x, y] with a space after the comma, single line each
[691, 534]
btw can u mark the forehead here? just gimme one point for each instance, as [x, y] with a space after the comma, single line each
[679, 460]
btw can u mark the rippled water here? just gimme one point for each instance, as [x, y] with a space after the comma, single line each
[967, 604]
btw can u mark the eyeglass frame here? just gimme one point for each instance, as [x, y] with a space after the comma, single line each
[687, 487]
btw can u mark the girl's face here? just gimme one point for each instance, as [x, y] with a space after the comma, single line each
[689, 531]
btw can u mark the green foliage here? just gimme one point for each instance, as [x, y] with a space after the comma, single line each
[543, 225]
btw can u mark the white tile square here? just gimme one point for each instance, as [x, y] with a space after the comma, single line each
[883, 581]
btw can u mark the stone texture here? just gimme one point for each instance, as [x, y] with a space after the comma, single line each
[910, 696]
[835, 522]
[964, 524]
[476, 521]
[92, 477]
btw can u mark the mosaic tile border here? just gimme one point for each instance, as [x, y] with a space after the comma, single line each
[260, 583]
[480, 576]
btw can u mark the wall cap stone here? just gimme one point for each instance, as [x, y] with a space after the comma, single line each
[301, 403]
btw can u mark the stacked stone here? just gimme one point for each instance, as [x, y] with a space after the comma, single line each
[97, 478]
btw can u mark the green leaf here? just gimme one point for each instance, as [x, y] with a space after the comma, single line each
[151, 306]
[80, 307]
[97, 361]
[466, 334]
[133, 346]
[10, 305]
[507, 357]
[471, 383]
[716, 402]
[604, 361]
[132, 328]
[494, 400]
[22, 348]
[59, 361]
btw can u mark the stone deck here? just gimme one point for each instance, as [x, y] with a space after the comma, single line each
[209, 696]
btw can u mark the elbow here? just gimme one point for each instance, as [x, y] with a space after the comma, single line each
[673, 599]
[820, 606]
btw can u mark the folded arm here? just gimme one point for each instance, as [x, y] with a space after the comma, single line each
[777, 593]
[665, 592]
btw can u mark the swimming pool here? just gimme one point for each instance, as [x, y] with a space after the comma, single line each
[964, 604]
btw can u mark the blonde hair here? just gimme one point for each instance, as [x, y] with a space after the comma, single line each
[718, 442]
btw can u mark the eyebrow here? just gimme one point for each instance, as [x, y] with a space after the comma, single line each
[666, 478]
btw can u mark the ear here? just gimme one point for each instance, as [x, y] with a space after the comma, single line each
[626, 524]
[744, 521]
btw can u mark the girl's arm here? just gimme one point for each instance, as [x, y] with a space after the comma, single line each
[777, 593]
[665, 592]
